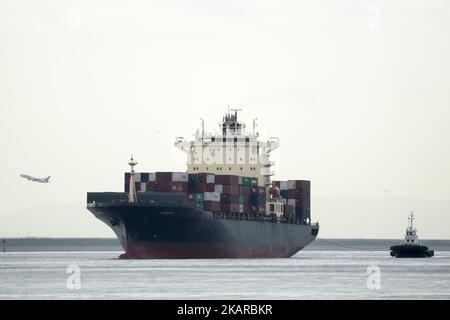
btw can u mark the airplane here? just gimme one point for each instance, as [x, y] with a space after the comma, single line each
[41, 180]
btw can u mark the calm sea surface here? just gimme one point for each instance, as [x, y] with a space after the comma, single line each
[308, 275]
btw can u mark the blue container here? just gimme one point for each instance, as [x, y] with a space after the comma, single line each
[284, 194]
[241, 199]
[127, 187]
[254, 199]
[144, 176]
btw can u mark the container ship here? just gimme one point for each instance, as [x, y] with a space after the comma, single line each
[224, 206]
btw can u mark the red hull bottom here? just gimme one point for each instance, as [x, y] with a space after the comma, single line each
[168, 250]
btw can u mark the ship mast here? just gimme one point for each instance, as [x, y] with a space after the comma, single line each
[132, 197]
[411, 219]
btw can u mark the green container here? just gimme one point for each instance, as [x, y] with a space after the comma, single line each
[249, 181]
[200, 196]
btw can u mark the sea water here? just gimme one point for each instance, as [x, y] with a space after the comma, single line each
[307, 275]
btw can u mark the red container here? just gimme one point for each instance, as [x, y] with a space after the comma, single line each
[202, 177]
[229, 198]
[150, 186]
[244, 190]
[163, 176]
[298, 193]
[231, 189]
[302, 184]
[211, 205]
[210, 187]
[303, 203]
[227, 179]
[202, 187]
[192, 188]
[230, 207]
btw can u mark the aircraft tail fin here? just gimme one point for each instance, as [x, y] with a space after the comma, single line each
[48, 178]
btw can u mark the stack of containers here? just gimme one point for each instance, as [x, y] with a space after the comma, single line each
[296, 195]
[299, 194]
[158, 181]
[218, 193]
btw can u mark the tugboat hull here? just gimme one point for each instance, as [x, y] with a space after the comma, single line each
[404, 251]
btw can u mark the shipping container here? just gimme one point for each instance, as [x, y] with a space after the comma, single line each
[144, 176]
[210, 178]
[291, 202]
[143, 187]
[289, 210]
[249, 181]
[298, 193]
[137, 177]
[229, 198]
[151, 186]
[302, 184]
[212, 196]
[193, 178]
[229, 207]
[211, 205]
[202, 187]
[244, 190]
[127, 187]
[180, 177]
[284, 194]
[303, 213]
[210, 187]
[127, 177]
[163, 176]
[254, 200]
[199, 197]
[218, 188]
[283, 185]
[231, 189]
[202, 177]
[227, 179]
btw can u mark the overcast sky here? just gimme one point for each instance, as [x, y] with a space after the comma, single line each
[358, 92]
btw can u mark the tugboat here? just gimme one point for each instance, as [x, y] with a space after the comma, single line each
[411, 247]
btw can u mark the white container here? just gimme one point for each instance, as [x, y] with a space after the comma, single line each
[207, 196]
[283, 185]
[218, 188]
[215, 196]
[210, 178]
[291, 202]
[137, 177]
[143, 187]
[241, 208]
[284, 200]
[152, 176]
[179, 177]
[291, 184]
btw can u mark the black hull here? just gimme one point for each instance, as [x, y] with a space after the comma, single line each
[158, 231]
[405, 251]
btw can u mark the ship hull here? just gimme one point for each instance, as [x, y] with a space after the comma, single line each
[152, 231]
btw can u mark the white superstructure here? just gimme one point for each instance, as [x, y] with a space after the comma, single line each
[232, 152]
[411, 238]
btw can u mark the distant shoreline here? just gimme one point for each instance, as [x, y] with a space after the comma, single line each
[111, 244]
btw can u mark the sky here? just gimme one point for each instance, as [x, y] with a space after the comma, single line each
[357, 91]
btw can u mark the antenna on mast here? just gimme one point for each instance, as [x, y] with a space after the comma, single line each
[411, 219]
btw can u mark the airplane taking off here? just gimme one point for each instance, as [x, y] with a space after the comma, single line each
[41, 180]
